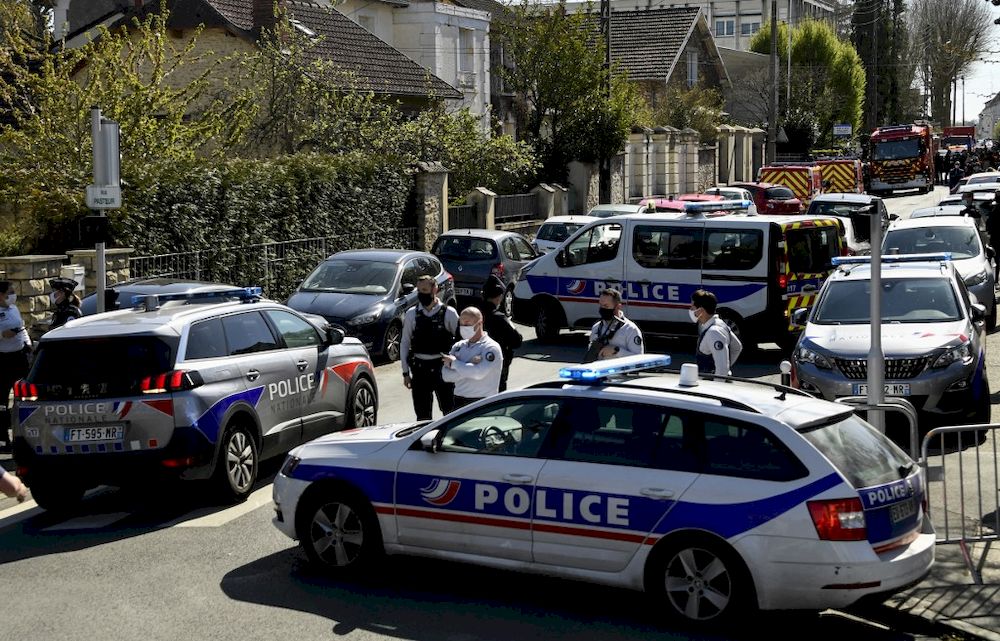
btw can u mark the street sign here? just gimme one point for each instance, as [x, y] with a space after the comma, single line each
[843, 129]
[104, 196]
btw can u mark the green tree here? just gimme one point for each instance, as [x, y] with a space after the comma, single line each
[697, 108]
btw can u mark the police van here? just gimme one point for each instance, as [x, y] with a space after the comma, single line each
[759, 267]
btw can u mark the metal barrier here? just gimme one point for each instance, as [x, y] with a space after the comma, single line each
[891, 404]
[975, 447]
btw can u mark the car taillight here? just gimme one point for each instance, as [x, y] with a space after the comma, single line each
[497, 270]
[839, 519]
[175, 381]
[25, 391]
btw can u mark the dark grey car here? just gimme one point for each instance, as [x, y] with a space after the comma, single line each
[472, 255]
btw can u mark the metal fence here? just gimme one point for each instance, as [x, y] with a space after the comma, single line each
[275, 266]
[462, 217]
[516, 207]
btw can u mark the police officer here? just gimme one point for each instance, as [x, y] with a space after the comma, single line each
[14, 347]
[429, 331]
[718, 347]
[613, 335]
[67, 304]
[475, 363]
[497, 327]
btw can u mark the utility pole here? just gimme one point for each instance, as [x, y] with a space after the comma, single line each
[105, 193]
[604, 177]
[772, 117]
[963, 100]
[788, 54]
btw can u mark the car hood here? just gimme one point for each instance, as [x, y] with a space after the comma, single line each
[332, 305]
[898, 339]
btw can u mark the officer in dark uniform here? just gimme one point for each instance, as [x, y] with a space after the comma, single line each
[496, 325]
[66, 303]
[429, 332]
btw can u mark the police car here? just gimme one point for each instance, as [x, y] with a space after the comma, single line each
[714, 494]
[197, 386]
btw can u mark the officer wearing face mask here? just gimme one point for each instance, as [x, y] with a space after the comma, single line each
[613, 335]
[66, 304]
[15, 344]
[475, 363]
[429, 331]
[718, 346]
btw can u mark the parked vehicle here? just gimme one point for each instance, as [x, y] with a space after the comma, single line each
[603, 211]
[730, 192]
[804, 180]
[902, 157]
[771, 198]
[842, 175]
[556, 229]
[660, 205]
[120, 296]
[854, 211]
[366, 292]
[472, 255]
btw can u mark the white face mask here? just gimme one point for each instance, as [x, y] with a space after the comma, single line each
[694, 317]
[52, 297]
[467, 331]
[11, 298]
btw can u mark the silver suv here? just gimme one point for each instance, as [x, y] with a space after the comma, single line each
[933, 338]
[195, 386]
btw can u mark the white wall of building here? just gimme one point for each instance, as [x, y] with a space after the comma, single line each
[988, 118]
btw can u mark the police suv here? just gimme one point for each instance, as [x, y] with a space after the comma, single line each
[197, 386]
[715, 494]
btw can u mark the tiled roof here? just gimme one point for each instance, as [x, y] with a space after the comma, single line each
[498, 11]
[647, 43]
[238, 12]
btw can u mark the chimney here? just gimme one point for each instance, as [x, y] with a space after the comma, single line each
[263, 14]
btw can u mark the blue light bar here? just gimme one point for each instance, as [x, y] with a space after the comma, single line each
[893, 258]
[240, 293]
[716, 205]
[596, 371]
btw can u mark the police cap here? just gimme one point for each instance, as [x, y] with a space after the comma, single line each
[493, 287]
[65, 284]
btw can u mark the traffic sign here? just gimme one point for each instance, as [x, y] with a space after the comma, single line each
[104, 196]
[843, 129]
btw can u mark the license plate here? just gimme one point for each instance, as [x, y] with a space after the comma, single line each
[891, 389]
[902, 510]
[463, 291]
[94, 433]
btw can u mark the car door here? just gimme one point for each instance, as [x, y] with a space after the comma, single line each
[734, 267]
[589, 263]
[615, 471]
[663, 268]
[474, 494]
[269, 373]
[319, 404]
[525, 254]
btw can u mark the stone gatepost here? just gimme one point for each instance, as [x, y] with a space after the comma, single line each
[546, 200]
[115, 265]
[689, 180]
[29, 276]
[432, 203]
[727, 162]
[759, 137]
[486, 206]
[561, 199]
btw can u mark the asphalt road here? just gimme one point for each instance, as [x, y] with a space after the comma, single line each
[162, 563]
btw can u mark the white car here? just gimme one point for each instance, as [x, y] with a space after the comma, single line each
[715, 494]
[730, 193]
[604, 211]
[555, 230]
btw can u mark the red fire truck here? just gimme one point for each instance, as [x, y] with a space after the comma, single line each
[958, 138]
[902, 157]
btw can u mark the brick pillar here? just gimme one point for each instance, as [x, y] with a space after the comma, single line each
[561, 199]
[546, 200]
[486, 206]
[115, 265]
[432, 203]
[29, 276]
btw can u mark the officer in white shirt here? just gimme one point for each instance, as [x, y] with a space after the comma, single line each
[718, 346]
[14, 347]
[613, 335]
[475, 363]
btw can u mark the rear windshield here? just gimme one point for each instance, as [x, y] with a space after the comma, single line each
[99, 367]
[464, 248]
[557, 232]
[962, 242]
[860, 453]
[779, 193]
[811, 249]
[904, 300]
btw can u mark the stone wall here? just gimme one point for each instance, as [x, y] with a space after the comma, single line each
[432, 203]
[29, 276]
[116, 265]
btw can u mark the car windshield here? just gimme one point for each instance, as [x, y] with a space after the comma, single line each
[557, 232]
[465, 248]
[904, 300]
[989, 178]
[779, 193]
[352, 276]
[897, 149]
[962, 242]
[861, 454]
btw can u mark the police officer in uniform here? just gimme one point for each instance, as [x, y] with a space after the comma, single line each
[429, 331]
[497, 327]
[718, 347]
[67, 304]
[613, 335]
[475, 363]
[15, 344]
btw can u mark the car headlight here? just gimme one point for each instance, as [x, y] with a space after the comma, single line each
[289, 465]
[976, 279]
[368, 317]
[962, 353]
[806, 355]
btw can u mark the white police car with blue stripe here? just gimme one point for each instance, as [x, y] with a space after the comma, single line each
[715, 494]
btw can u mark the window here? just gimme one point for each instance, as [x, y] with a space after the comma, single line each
[427, 266]
[597, 245]
[861, 454]
[509, 250]
[557, 232]
[464, 248]
[100, 367]
[748, 451]
[206, 340]
[514, 427]
[692, 68]
[296, 331]
[466, 50]
[811, 250]
[524, 250]
[725, 27]
[749, 28]
[733, 248]
[350, 276]
[411, 272]
[904, 300]
[248, 333]
[667, 247]
[962, 242]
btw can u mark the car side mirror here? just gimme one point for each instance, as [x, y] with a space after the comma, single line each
[429, 441]
[978, 312]
[334, 335]
[561, 258]
[800, 316]
[407, 289]
[893, 217]
[990, 252]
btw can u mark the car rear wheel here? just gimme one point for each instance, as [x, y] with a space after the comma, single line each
[236, 469]
[548, 322]
[338, 530]
[55, 496]
[393, 339]
[364, 405]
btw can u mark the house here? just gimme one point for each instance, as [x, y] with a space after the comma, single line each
[232, 26]
[451, 39]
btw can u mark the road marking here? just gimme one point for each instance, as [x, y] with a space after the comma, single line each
[88, 522]
[18, 513]
[213, 517]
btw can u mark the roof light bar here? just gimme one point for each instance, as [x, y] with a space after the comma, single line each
[593, 372]
[151, 302]
[716, 205]
[893, 258]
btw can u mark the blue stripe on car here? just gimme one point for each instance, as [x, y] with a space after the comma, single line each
[210, 422]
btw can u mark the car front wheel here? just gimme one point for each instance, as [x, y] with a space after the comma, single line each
[363, 411]
[338, 531]
[393, 339]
